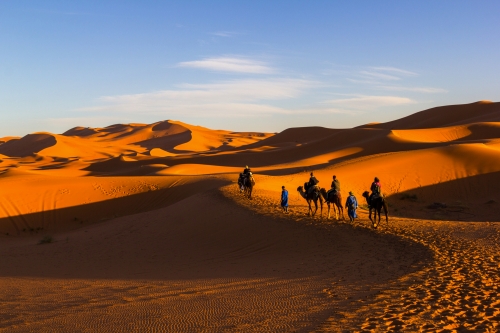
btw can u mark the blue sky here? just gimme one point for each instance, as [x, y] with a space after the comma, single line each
[241, 65]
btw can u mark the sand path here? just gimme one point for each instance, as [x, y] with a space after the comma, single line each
[204, 264]
[458, 290]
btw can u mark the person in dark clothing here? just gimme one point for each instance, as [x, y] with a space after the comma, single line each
[335, 188]
[313, 180]
[376, 189]
[336, 184]
[312, 184]
[246, 171]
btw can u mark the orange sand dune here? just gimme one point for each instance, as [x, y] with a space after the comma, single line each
[142, 227]
[167, 135]
[132, 139]
[483, 111]
[476, 131]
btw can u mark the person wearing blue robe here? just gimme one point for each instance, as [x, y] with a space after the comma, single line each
[351, 204]
[284, 199]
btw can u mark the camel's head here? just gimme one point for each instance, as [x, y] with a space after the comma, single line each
[366, 194]
[300, 188]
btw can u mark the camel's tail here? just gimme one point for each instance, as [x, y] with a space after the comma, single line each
[386, 209]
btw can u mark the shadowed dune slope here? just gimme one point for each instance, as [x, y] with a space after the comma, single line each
[483, 111]
[27, 145]
[40, 203]
[227, 241]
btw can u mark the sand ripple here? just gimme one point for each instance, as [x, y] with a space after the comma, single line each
[459, 292]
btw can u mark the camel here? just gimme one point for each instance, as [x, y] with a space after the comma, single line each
[335, 200]
[376, 204]
[314, 196]
[246, 185]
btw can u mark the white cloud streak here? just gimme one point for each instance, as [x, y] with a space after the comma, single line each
[377, 75]
[394, 70]
[229, 64]
[229, 98]
[427, 90]
[364, 103]
[389, 78]
[223, 33]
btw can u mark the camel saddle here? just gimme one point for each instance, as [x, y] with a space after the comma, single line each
[334, 191]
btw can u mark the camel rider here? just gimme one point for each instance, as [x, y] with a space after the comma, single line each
[376, 189]
[312, 184]
[335, 188]
[247, 172]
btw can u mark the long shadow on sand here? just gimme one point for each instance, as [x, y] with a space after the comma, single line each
[69, 218]
[205, 236]
[473, 198]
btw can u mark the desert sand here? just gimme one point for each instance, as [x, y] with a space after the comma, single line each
[142, 228]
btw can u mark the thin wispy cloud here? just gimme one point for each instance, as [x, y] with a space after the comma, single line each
[230, 64]
[374, 75]
[223, 33]
[389, 79]
[394, 70]
[426, 90]
[364, 103]
[228, 98]
[363, 81]
[377, 75]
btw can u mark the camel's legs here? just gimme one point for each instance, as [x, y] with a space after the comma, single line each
[341, 211]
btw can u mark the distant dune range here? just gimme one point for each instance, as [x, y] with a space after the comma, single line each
[146, 219]
[446, 154]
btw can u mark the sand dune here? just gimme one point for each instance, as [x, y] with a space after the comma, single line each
[149, 230]
[482, 111]
[476, 131]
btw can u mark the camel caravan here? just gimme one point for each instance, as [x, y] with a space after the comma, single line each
[312, 193]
